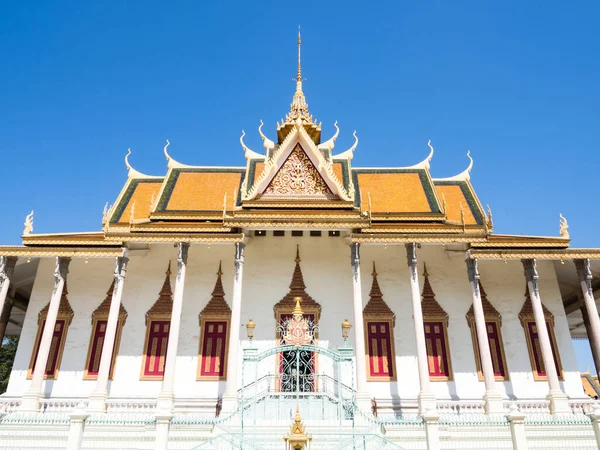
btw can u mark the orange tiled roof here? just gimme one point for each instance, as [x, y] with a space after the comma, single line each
[199, 189]
[395, 191]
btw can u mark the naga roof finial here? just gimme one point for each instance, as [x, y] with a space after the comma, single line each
[564, 227]
[165, 151]
[28, 224]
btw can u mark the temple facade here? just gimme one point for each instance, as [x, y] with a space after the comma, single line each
[296, 301]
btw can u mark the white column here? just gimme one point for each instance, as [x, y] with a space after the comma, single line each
[493, 400]
[558, 400]
[167, 396]
[359, 332]
[426, 398]
[230, 395]
[31, 398]
[585, 279]
[7, 267]
[98, 397]
[595, 416]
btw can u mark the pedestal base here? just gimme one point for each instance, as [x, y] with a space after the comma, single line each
[31, 401]
[494, 403]
[363, 401]
[559, 403]
[165, 402]
[97, 402]
[229, 402]
[426, 402]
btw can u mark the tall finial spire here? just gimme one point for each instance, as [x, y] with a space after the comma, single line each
[299, 76]
[299, 107]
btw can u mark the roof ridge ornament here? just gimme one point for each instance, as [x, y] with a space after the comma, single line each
[348, 154]
[167, 153]
[267, 143]
[330, 143]
[564, 227]
[131, 172]
[248, 153]
[28, 224]
[465, 175]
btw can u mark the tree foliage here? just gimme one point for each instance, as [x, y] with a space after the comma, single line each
[7, 357]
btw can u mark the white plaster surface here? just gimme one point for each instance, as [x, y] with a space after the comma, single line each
[269, 264]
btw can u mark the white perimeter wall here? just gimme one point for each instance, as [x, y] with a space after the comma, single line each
[267, 275]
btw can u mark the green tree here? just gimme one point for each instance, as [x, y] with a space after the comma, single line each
[7, 357]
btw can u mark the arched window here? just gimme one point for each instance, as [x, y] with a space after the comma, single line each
[61, 326]
[214, 322]
[493, 324]
[99, 322]
[435, 322]
[527, 319]
[379, 321]
[158, 323]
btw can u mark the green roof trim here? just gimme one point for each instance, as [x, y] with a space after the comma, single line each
[345, 172]
[468, 195]
[133, 184]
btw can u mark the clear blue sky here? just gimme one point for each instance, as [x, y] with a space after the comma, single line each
[514, 82]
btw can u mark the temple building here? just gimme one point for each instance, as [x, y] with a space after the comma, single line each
[297, 301]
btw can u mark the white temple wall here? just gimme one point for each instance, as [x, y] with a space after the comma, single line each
[268, 270]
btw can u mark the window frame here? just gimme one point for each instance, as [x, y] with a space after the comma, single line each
[121, 322]
[203, 320]
[444, 322]
[61, 347]
[392, 350]
[150, 321]
[525, 322]
[473, 327]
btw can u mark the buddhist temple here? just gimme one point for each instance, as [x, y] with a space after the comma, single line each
[368, 307]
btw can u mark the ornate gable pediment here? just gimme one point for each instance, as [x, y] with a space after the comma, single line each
[298, 177]
[297, 170]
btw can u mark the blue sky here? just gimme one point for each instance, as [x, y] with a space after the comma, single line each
[514, 82]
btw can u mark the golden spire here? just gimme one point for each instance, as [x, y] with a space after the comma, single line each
[299, 76]
[299, 107]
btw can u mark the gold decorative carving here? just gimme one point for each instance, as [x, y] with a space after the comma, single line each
[298, 176]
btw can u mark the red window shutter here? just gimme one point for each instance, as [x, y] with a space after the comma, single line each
[59, 329]
[156, 349]
[97, 345]
[380, 349]
[435, 340]
[495, 349]
[213, 349]
[537, 350]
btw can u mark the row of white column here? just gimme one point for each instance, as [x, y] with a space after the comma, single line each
[493, 399]
[558, 400]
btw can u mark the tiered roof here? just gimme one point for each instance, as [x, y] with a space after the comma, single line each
[298, 182]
